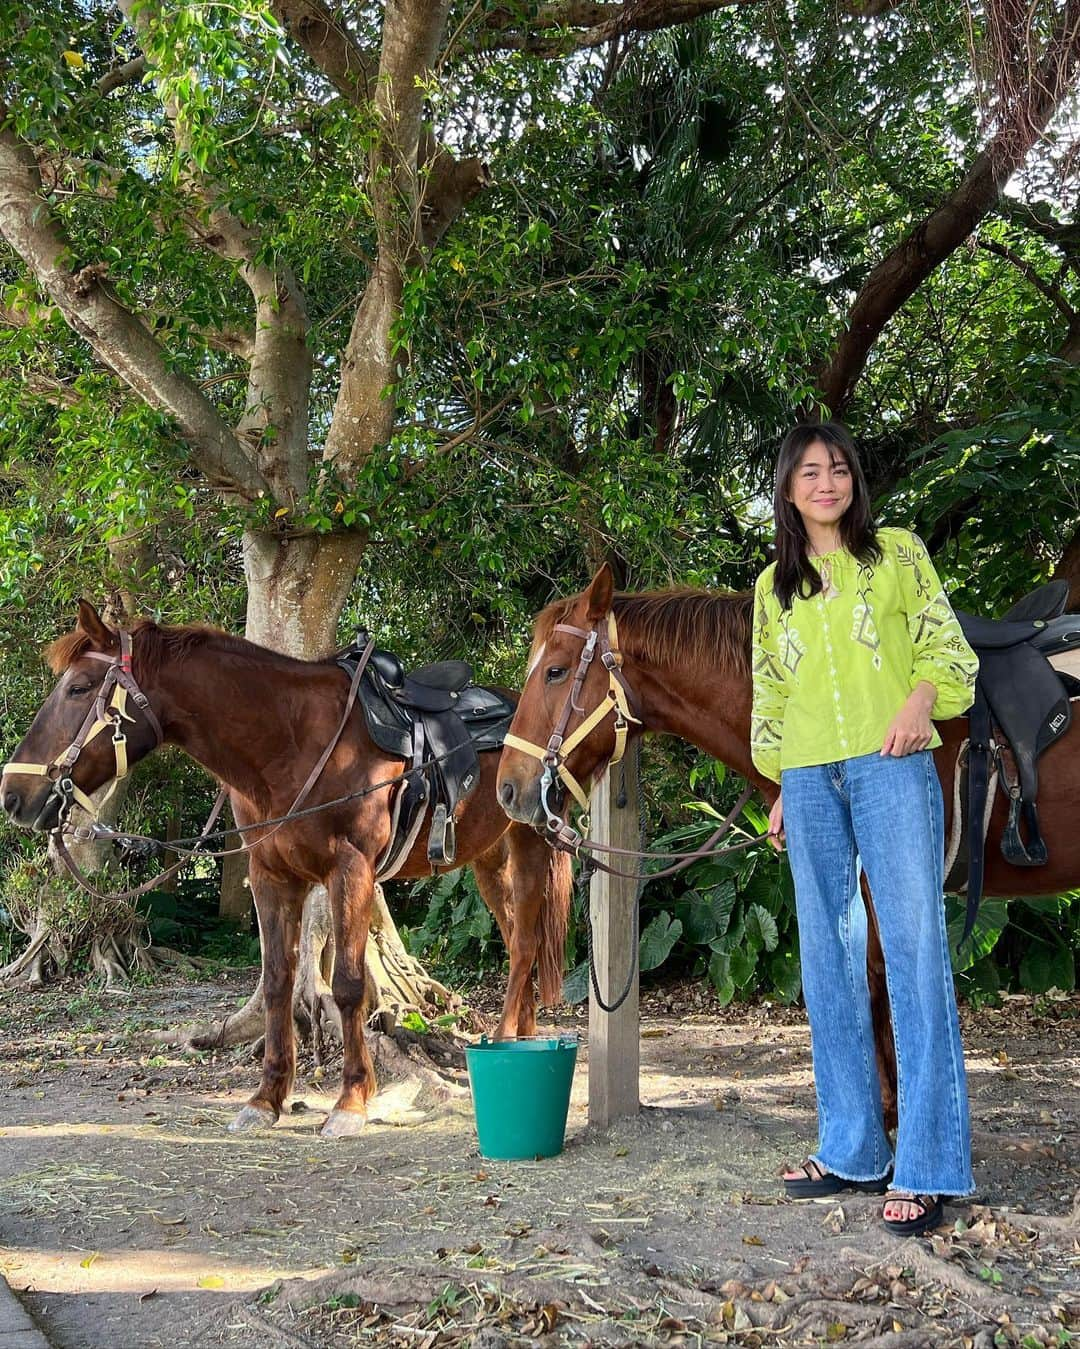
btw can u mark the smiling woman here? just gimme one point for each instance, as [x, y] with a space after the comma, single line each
[855, 646]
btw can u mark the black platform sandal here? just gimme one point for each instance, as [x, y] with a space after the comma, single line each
[932, 1215]
[817, 1183]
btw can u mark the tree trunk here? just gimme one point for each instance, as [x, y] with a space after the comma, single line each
[234, 898]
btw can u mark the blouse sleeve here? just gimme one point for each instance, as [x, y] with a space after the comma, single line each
[769, 692]
[941, 654]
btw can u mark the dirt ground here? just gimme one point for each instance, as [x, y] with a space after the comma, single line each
[130, 1217]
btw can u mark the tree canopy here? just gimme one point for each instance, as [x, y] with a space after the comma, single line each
[409, 313]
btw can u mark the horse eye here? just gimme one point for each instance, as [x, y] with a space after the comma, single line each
[77, 690]
[556, 674]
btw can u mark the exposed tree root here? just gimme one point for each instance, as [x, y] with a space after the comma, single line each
[28, 964]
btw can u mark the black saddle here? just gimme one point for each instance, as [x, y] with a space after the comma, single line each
[439, 722]
[1020, 693]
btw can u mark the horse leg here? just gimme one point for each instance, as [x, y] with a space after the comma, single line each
[351, 888]
[279, 906]
[880, 1017]
[495, 881]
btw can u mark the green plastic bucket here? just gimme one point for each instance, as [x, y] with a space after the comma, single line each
[521, 1095]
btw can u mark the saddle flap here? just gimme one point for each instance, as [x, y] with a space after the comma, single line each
[1030, 704]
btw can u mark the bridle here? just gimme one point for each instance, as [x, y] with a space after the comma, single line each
[602, 637]
[107, 711]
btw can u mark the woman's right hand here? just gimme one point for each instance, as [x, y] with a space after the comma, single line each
[776, 823]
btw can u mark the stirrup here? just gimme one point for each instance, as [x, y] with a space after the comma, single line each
[1013, 848]
[442, 840]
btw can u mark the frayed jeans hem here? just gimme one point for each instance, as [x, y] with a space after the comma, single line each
[846, 1175]
[945, 1193]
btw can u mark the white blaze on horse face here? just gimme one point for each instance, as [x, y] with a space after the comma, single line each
[536, 661]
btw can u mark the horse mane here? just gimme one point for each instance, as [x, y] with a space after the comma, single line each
[682, 623]
[161, 646]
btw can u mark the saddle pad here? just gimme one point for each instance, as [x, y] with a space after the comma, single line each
[1067, 663]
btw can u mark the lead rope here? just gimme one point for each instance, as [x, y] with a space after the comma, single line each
[585, 874]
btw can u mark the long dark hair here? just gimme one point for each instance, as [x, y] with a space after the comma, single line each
[795, 575]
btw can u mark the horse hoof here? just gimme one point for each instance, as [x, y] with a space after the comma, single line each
[251, 1118]
[344, 1124]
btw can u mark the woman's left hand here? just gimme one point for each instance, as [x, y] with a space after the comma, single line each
[910, 730]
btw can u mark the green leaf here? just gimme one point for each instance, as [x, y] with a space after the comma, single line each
[762, 924]
[575, 987]
[990, 922]
[1048, 965]
[657, 941]
[785, 975]
[720, 977]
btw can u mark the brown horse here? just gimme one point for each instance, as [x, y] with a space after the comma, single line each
[258, 721]
[683, 659]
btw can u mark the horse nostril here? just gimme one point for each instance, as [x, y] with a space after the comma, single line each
[507, 794]
[12, 802]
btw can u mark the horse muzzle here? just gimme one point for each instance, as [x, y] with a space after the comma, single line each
[37, 809]
[521, 800]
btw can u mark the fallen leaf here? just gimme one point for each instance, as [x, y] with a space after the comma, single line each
[145, 1297]
[211, 1281]
[753, 1241]
[85, 1264]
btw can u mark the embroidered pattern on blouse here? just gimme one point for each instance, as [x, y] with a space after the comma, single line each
[863, 628]
[913, 558]
[935, 623]
[766, 732]
[792, 649]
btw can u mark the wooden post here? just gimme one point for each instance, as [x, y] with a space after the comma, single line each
[614, 1037]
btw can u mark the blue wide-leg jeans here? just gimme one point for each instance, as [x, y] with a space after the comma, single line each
[887, 813]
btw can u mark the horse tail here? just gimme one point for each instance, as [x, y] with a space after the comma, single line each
[553, 921]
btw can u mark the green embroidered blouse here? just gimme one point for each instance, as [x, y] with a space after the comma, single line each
[831, 672]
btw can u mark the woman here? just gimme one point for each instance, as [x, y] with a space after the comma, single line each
[855, 649]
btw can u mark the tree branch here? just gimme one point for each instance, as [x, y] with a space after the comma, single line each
[275, 418]
[1053, 293]
[313, 27]
[1038, 218]
[116, 335]
[128, 73]
[364, 413]
[449, 184]
[900, 273]
[578, 24]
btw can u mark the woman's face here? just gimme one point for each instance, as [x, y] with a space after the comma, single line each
[821, 488]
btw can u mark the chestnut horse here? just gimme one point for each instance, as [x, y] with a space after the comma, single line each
[683, 657]
[258, 721]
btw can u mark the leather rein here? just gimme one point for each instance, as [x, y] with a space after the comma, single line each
[621, 703]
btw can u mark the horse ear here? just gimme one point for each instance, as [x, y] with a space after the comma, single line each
[600, 593]
[102, 637]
